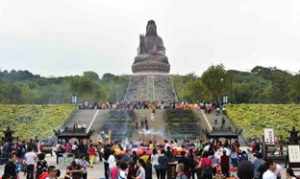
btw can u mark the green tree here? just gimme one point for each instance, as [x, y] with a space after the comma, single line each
[294, 88]
[280, 87]
[183, 85]
[108, 77]
[216, 81]
[85, 88]
[196, 91]
[91, 75]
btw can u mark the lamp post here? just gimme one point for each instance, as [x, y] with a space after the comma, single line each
[221, 91]
[221, 102]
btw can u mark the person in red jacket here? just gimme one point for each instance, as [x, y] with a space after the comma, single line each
[50, 174]
[225, 165]
[92, 152]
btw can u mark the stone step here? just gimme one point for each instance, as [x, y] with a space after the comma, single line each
[150, 88]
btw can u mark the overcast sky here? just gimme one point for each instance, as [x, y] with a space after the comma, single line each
[63, 37]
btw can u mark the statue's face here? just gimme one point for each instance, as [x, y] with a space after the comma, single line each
[151, 28]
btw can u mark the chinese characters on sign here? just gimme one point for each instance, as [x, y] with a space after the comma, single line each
[269, 136]
[294, 153]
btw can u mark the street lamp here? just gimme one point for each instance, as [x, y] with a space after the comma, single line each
[221, 103]
[221, 91]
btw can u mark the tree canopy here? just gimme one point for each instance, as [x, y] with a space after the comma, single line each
[260, 85]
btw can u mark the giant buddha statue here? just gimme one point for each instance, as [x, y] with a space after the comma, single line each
[151, 53]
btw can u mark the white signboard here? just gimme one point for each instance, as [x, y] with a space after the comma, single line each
[74, 99]
[269, 136]
[225, 99]
[294, 153]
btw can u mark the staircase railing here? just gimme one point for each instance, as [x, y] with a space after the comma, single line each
[173, 88]
[127, 90]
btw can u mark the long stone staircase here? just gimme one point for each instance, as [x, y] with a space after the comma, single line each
[184, 124]
[150, 87]
[214, 119]
[87, 118]
[120, 123]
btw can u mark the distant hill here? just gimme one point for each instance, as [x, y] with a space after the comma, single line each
[260, 85]
[20, 87]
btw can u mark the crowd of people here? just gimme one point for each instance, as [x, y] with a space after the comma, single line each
[143, 159]
[146, 160]
[26, 156]
[139, 105]
[184, 160]
[123, 105]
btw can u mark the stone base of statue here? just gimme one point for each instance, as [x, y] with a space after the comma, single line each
[150, 87]
[151, 63]
[151, 81]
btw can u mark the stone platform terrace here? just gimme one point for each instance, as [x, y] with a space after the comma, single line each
[150, 87]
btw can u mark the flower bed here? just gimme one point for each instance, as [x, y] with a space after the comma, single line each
[29, 121]
[253, 118]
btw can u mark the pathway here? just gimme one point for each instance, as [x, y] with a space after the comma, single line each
[92, 119]
[215, 120]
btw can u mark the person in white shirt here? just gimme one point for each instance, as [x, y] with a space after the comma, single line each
[206, 148]
[30, 161]
[270, 173]
[154, 160]
[123, 170]
[111, 161]
[279, 171]
[141, 173]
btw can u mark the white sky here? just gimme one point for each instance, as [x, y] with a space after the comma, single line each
[62, 37]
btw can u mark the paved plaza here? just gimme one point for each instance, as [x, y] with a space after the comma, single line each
[96, 172]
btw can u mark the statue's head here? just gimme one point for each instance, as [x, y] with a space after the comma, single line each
[151, 28]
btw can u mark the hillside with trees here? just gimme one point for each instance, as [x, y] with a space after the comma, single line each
[23, 87]
[260, 85]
